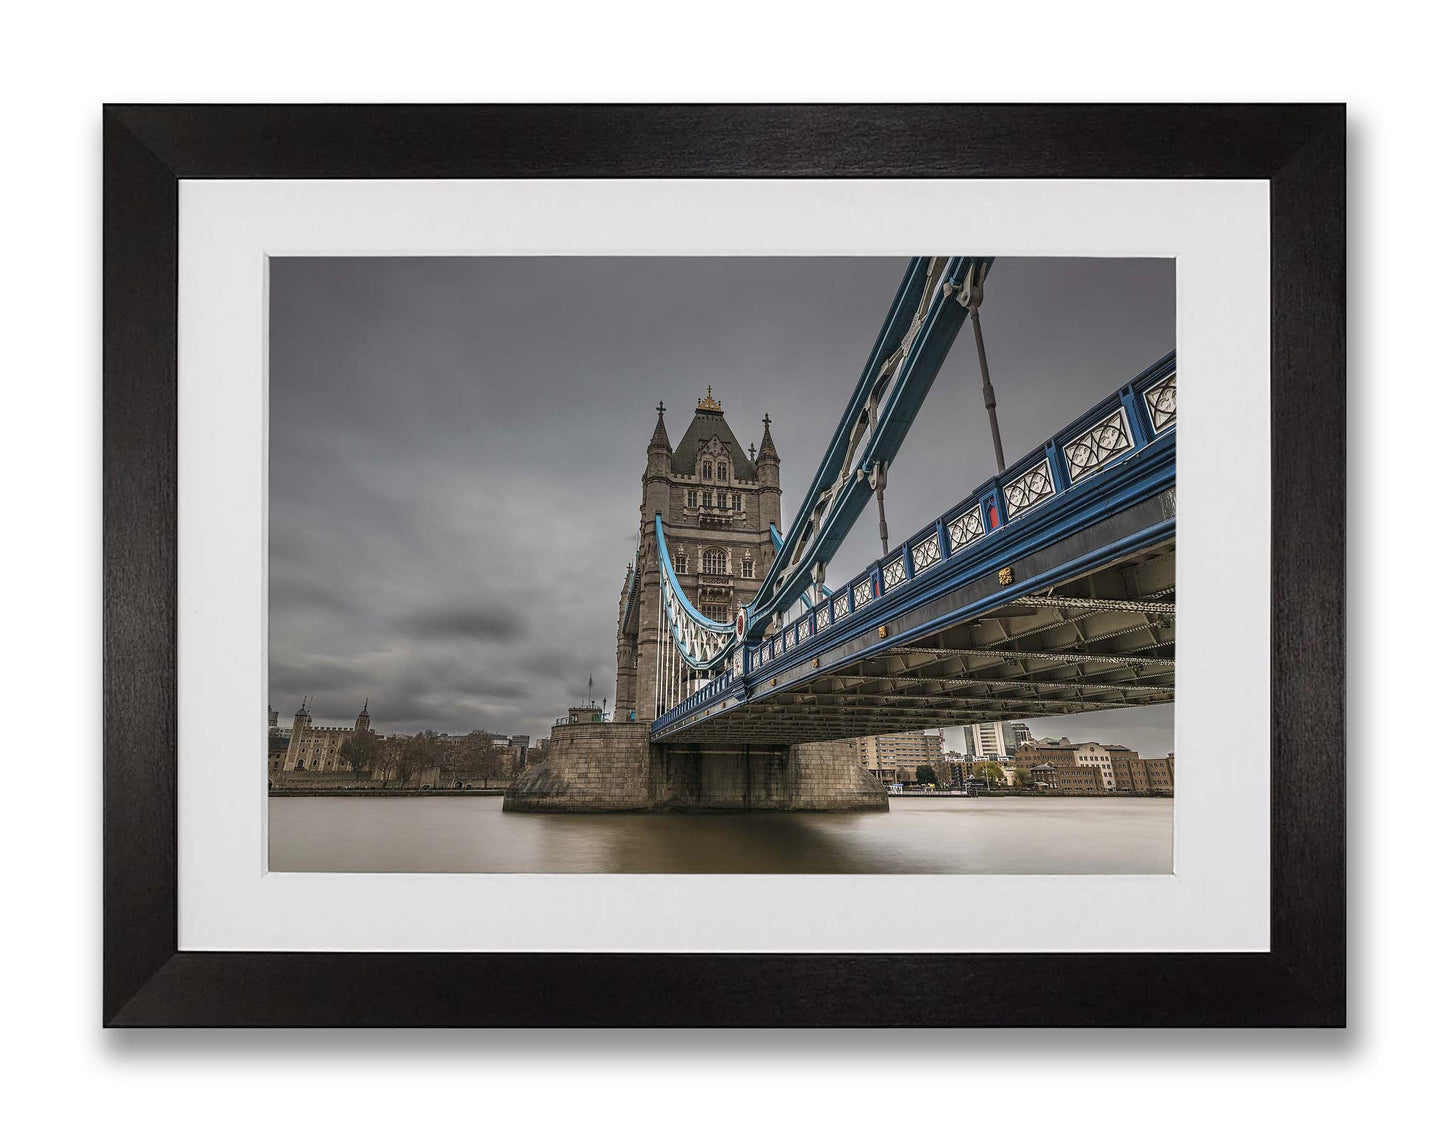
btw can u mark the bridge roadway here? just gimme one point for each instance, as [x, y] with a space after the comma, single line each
[1046, 592]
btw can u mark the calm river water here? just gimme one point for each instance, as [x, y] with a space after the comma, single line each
[919, 835]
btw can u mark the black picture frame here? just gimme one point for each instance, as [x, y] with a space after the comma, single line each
[1299, 149]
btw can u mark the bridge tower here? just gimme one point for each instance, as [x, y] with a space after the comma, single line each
[716, 502]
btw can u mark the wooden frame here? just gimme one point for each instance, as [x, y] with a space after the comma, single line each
[1299, 149]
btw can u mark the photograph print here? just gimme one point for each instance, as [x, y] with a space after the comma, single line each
[867, 564]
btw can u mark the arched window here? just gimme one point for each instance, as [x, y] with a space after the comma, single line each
[747, 567]
[681, 564]
[692, 498]
[714, 562]
[707, 471]
[722, 471]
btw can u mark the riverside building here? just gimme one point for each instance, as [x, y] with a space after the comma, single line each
[1094, 768]
[896, 757]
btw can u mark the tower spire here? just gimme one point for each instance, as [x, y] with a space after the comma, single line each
[770, 486]
[659, 433]
[767, 450]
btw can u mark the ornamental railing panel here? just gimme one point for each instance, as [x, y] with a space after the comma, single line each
[925, 553]
[1030, 489]
[1097, 446]
[965, 528]
[1161, 399]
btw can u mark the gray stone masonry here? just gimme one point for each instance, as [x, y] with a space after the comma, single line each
[607, 768]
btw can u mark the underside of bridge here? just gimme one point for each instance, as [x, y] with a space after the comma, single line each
[1102, 640]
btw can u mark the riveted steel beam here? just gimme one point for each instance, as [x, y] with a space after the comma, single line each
[1066, 657]
[1095, 606]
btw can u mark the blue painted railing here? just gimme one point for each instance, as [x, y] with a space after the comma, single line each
[1115, 432]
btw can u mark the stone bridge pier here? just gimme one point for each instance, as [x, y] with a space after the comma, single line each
[605, 768]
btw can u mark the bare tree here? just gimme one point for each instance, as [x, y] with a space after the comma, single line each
[420, 753]
[361, 751]
[389, 755]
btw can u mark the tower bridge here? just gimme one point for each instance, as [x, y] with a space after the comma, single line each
[1047, 590]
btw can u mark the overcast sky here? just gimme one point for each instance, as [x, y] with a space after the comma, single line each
[457, 446]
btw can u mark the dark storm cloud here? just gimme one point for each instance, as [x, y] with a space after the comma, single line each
[457, 446]
[482, 624]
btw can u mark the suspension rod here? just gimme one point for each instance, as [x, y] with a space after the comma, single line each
[989, 402]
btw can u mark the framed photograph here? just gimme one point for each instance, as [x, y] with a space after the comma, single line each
[724, 565]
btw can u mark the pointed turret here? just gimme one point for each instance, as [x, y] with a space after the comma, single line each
[767, 451]
[654, 480]
[659, 433]
[363, 718]
[770, 492]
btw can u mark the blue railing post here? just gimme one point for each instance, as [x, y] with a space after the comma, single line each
[1138, 418]
[1057, 466]
[991, 502]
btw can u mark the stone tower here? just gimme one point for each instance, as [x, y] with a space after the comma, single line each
[300, 725]
[363, 718]
[716, 502]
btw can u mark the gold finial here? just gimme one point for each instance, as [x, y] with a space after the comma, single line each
[709, 404]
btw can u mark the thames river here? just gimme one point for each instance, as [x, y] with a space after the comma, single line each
[918, 835]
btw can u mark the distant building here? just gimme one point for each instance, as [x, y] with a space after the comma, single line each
[989, 772]
[1094, 768]
[897, 757]
[953, 774]
[1159, 774]
[998, 740]
[1067, 779]
[312, 748]
[278, 739]
[519, 746]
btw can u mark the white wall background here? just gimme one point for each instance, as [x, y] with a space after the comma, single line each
[62, 62]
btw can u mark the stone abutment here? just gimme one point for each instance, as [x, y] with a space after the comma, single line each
[613, 768]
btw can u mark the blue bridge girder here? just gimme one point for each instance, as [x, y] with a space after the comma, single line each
[912, 345]
[1046, 591]
[925, 316]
